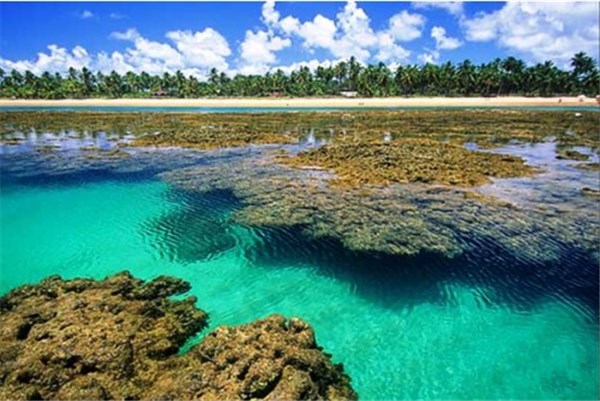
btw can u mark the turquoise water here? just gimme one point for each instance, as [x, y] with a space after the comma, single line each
[276, 109]
[419, 328]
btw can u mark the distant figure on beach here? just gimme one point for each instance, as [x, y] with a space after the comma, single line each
[598, 99]
[560, 100]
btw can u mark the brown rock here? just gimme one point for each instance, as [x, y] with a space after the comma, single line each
[118, 339]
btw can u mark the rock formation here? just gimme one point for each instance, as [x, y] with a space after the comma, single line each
[119, 338]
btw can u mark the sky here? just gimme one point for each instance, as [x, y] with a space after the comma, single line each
[256, 37]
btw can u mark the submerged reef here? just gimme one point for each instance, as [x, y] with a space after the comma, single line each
[379, 181]
[119, 338]
[588, 166]
[488, 128]
[410, 160]
[570, 154]
[400, 219]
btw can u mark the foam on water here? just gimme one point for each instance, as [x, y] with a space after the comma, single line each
[403, 329]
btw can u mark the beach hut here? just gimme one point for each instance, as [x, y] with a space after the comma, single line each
[349, 93]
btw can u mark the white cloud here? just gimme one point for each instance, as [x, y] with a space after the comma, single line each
[405, 26]
[193, 53]
[269, 15]
[130, 34]
[311, 64]
[539, 31]
[320, 32]
[253, 69]
[154, 57]
[86, 14]
[355, 26]
[389, 51]
[117, 16]
[534, 31]
[429, 57]
[260, 47]
[443, 42]
[114, 62]
[350, 34]
[453, 7]
[204, 49]
[59, 59]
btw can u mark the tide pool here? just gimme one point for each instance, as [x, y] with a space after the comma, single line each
[404, 329]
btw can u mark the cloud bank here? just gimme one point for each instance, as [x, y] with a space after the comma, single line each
[533, 31]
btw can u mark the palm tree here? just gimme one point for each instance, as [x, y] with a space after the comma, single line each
[114, 84]
[89, 81]
[466, 75]
[584, 71]
[508, 76]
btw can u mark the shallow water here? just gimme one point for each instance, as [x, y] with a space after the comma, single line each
[176, 109]
[481, 326]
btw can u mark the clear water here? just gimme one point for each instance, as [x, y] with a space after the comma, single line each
[177, 109]
[417, 328]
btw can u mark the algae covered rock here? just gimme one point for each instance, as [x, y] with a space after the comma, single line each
[410, 160]
[275, 358]
[399, 219]
[57, 332]
[119, 338]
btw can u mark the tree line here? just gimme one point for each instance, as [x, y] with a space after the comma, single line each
[509, 76]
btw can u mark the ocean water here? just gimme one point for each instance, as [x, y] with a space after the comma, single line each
[404, 328]
[176, 109]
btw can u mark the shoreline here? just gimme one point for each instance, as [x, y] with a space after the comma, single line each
[310, 102]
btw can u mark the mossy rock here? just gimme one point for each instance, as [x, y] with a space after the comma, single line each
[570, 154]
[410, 161]
[119, 338]
[488, 128]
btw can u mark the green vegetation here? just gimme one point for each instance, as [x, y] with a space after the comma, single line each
[509, 76]
[410, 160]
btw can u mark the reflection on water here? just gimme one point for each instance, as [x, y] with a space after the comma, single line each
[66, 140]
[484, 324]
[558, 185]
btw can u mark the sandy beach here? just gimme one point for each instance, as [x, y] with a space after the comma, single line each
[309, 102]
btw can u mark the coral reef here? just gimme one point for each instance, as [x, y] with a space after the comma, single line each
[589, 192]
[401, 219]
[410, 160]
[588, 166]
[400, 172]
[488, 128]
[571, 154]
[119, 338]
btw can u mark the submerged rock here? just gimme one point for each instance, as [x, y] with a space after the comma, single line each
[589, 192]
[398, 219]
[119, 339]
[571, 154]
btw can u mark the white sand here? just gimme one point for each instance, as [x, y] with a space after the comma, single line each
[310, 102]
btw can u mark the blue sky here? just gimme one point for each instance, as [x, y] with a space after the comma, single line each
[256, 37]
